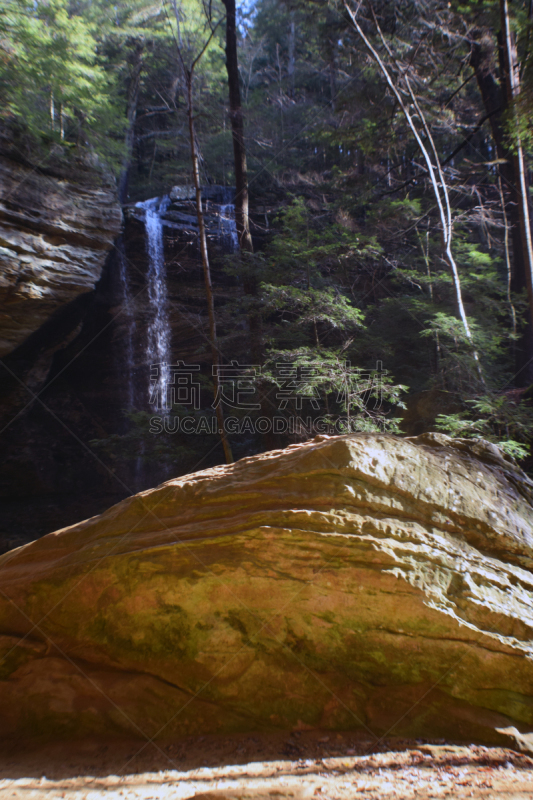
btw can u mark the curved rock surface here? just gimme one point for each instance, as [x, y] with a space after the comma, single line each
[352, 582]
[55, 234]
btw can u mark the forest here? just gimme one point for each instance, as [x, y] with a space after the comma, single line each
[381, 158]
[266, 399]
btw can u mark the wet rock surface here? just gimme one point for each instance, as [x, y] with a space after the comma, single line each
[72, 380]
[180, 215]
[359, 582]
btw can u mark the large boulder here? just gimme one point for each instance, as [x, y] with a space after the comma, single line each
[354, 582]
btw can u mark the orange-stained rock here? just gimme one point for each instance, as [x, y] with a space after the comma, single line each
[361, 581]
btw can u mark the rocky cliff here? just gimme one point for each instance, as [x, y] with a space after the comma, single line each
[81, 362]
[56, 228]
[59, 217]
[353, 582]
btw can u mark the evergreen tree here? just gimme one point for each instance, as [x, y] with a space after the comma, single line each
[50, 73]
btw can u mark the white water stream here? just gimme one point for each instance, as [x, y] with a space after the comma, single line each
[157, 348]
[227, 229]
[129, 321]
[158, 340]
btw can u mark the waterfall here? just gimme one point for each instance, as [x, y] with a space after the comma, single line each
[128, 319]
[158, 339]
[227, 229]
[158, 336]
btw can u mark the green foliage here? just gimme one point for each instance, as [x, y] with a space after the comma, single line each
[349, 398]
[66, 67]
[348, 264]
[50, 73]
[304, 270]
[139, 443]
[311, 320]
[312, 305]
[160, 449]
[503, 419]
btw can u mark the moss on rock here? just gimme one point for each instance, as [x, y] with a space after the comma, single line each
[354, 581]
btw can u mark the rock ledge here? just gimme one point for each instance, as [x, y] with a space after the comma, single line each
[354, 582]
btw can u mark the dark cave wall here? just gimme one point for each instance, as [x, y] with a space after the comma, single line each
[66, 386]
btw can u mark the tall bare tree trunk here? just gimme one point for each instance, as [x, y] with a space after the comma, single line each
[436, 175]
[512, 84]
[508, 265]
[497, 98]
[188, 74]
[494, 100]
[52, 110]
[237, 129]
[206, 268]
[242, 219]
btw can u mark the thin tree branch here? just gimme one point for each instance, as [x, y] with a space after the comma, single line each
[443, 205]
[450, 98]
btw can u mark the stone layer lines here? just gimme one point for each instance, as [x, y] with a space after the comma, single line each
[355, 582]
[54, 238]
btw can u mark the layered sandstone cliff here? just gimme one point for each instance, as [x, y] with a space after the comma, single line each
[56, 228]
[357, 581]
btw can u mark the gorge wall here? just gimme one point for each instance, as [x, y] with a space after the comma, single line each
[75, 339]
[56, 227]
[59, 218]
[75, 322]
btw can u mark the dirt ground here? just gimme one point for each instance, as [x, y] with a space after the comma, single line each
[276, 766]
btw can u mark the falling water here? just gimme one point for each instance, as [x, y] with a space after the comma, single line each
[128, 319]
[227, 229]
[158, 340]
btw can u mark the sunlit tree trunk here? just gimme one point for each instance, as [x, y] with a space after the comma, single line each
[188, 76]
[207, 270]
[52, 110]
[436, 176]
